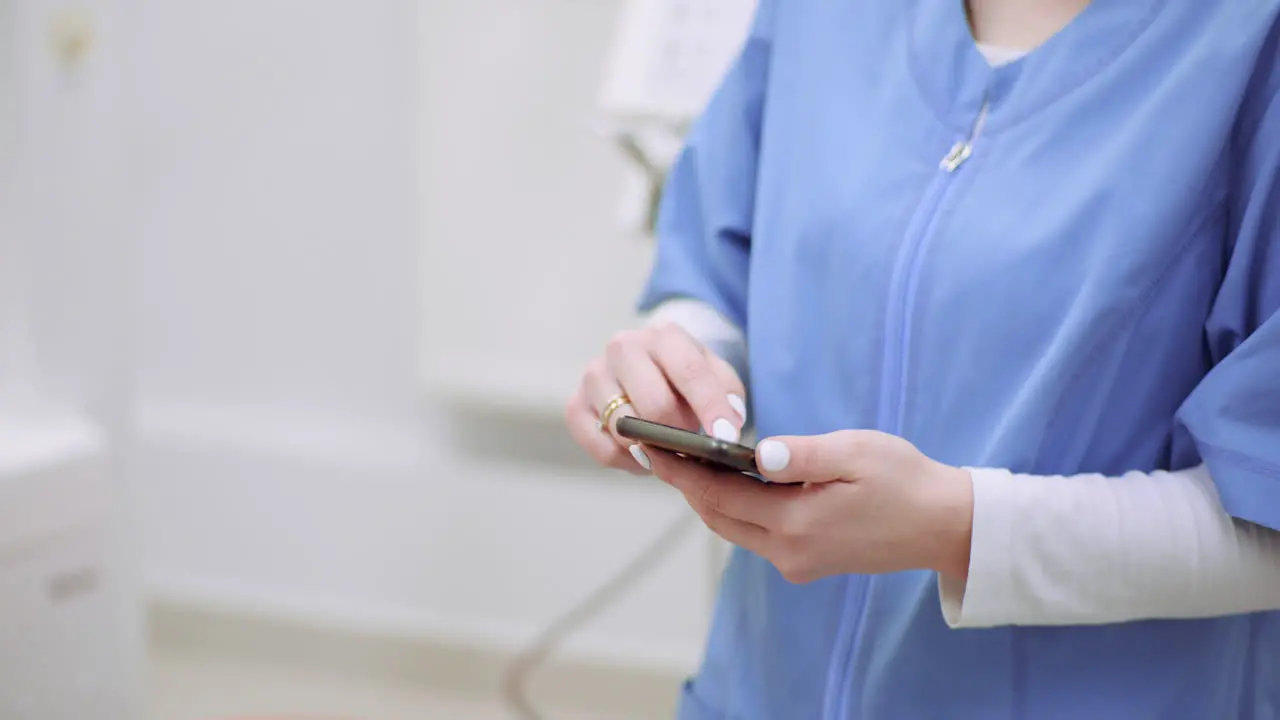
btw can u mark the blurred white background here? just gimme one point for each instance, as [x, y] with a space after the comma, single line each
[321, 273]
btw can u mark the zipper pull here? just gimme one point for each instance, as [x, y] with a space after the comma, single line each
[963, 149]
[956, 156]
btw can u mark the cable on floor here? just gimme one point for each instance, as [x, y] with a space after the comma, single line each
[515, 680]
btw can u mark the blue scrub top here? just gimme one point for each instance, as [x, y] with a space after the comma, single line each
[1094, 289]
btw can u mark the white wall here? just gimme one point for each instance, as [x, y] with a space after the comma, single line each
[287, 458]
[520, 199]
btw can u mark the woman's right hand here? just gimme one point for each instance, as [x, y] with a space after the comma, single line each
[669, 378]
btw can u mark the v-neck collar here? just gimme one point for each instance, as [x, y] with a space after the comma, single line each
[956, 79]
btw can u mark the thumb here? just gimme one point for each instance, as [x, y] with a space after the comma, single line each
[809, 458]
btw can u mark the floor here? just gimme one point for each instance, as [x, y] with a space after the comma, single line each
[188, 686]
[211, 664]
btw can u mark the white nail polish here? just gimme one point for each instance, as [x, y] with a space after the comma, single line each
[773, 456]
[638, 453]
[724, 430]
[738, 404]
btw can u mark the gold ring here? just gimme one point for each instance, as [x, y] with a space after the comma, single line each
[611, 408]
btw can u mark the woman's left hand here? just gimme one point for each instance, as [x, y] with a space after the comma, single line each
[847, 502]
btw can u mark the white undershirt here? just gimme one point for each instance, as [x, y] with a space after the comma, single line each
[997, 55]
[1085, 549]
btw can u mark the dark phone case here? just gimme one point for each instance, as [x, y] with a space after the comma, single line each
[695, 446]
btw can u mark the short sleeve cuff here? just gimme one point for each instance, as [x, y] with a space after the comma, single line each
[1249, 489]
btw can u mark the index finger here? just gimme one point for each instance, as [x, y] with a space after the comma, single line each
[729, 494]
[702, 386]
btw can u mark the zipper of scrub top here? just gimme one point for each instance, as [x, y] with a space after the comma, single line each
[906, 277]
[959, 153]
[903, 286]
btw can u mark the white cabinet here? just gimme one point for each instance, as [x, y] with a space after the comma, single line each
[70, 631]
[70, 625]
[62, 631]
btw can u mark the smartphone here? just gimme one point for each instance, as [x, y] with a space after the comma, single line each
[722, 455]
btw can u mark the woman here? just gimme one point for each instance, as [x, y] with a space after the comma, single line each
[1010, 308]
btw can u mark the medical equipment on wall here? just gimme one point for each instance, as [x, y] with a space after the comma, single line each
[667, 59]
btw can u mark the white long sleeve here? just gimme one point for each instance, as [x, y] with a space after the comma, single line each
[1092, 549]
